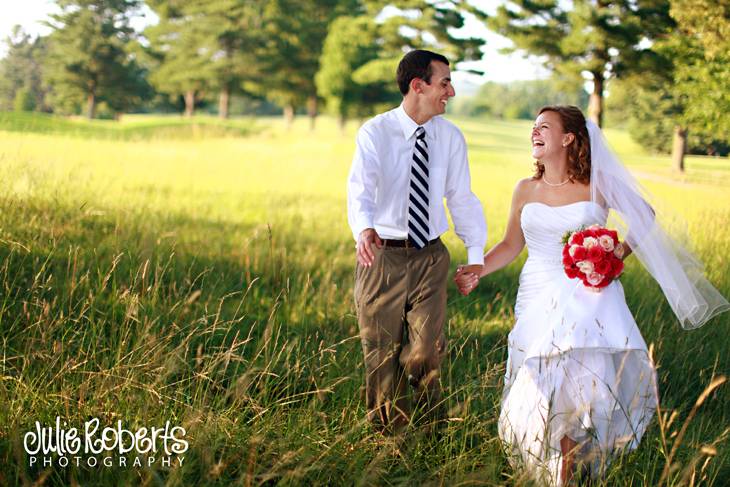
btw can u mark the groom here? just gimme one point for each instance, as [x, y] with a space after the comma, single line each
[406, 162]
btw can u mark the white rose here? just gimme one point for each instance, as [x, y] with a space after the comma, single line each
[594, 278]
[606, 242]
[585, 266]
[589, 242]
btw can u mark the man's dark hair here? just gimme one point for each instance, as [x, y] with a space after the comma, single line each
[417, 64]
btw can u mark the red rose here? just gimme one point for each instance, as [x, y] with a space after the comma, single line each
[567, 260]
[566, 251]
[572, 272]
[595, 254]
[590, 233]
[617, 265]
[603, 267]
[579, 254]
[577, 239]
[614, 236]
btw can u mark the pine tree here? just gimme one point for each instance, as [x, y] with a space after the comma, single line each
[600, 37]
[295, 33]
[21, 69]
[703, 76]
[207, 46]
[681, 103]
[87, 52]
[181, 56]
[358, 64]
[351, 43]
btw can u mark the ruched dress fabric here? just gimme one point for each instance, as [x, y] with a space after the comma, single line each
[578, 365]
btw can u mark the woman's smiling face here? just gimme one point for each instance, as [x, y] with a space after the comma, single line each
[548, 138]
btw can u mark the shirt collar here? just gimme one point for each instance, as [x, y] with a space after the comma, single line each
[408, 126]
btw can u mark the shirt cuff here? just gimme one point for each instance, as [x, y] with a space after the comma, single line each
[475, 255]
[361, 224]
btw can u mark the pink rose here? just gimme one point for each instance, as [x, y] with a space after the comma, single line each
[572, 250]
[594, 278]
[606, 243]
[585, 266]
[589, 242]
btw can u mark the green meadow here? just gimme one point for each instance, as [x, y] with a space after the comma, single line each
[201, 272]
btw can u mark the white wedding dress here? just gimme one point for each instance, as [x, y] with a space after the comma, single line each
[577, 366]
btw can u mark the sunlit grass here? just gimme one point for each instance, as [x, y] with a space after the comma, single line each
[209, 281]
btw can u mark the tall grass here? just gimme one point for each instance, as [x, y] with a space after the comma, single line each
[208, 282]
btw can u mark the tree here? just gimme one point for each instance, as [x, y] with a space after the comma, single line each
[87, 52]
[703, 78]
[295, 33]
[358, 64]
[599, 37]
[682, 103]
[237, 30]
[131, 87]
[180, 58]
[207, 45]
[351, 43]
[20, 70]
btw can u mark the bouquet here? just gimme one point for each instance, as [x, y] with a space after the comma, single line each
[589, 255]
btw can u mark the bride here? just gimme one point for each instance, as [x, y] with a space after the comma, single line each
[580, 385]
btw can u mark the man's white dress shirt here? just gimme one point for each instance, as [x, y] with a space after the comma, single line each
[378, 185]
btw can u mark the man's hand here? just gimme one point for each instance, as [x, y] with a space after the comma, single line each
[365, 254]
[467, 278]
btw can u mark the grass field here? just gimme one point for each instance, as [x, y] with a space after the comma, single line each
[207, 280]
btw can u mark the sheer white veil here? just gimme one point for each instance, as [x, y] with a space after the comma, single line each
[680, 275]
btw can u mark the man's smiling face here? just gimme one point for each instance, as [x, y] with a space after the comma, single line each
[435, 95]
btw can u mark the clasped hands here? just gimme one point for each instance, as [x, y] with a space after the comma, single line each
[467, 277]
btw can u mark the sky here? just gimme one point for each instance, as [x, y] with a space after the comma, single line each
[498, 67]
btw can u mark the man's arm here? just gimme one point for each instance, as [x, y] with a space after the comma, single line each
[361, 185]
[465, 208]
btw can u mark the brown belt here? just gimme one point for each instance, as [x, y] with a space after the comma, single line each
[406, 243]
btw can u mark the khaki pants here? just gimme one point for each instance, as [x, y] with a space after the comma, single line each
[401, 310]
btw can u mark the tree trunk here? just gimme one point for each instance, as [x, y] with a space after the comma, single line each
[189, 103]
[312, 111]
[289, 115]
[91, 105]
[679, 147]
[595, 102]
[223, 102]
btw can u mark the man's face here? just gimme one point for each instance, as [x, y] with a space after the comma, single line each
[435, 95]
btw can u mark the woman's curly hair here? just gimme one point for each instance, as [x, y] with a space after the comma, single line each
[579, 152]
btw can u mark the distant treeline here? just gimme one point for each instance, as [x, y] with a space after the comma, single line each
[237, 56]
[668, 59]
[521, 99]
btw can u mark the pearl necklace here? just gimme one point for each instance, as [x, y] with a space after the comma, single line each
[554, 185]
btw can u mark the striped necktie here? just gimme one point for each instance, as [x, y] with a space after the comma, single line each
[418, 194]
